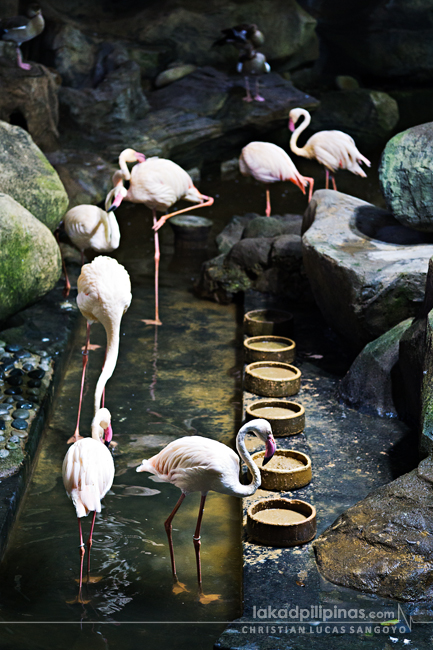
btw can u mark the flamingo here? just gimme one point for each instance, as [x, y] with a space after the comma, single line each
[88, 473]
[197, 464]
[332, 149]
[20, 29]
[104, 295]
[268, 163]
[88, 226]
[158, 183]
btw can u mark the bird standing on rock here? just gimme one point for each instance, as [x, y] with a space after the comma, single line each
[88, 473]
[197, 464]
[104, 295]
[268, 163]
[20, 29]
[332, 149]
[158, 183]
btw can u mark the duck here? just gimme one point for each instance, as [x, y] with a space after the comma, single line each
[241, 35]
[252, 63]
[20, 29]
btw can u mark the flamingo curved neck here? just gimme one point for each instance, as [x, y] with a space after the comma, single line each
[247, 490]
[124, 167]
[300, 151]
[112, 330]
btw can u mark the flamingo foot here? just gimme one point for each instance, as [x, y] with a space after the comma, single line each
[151, 322]
[75, 438]
[259, 98]
[179, 588]
[247, 98]
[25, 66]
[206, 599]
[91, 346]
[78, 600]
[91, 579]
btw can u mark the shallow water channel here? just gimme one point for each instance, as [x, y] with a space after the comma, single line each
[178, 379]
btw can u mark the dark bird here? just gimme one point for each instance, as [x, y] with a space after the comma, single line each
[20, 29]
[241, 36]
[252, 63]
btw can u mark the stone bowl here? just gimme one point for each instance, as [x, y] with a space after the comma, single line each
[269, 348]
[190, 230]
[272, 378]
[286, 418]
[261, 322]
[287, 470]
[278, 529]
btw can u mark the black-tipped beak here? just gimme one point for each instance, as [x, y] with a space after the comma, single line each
[271, 448]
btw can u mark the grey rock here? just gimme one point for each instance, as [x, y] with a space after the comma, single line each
[252, 255]
[232, 232]
[406, 177]
[27, 176]
[362, 285]
[374, 379]
[174, 73]
[287, 252]
[263, 227]
[30, 265]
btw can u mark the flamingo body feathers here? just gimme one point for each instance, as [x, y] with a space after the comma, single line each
[88, 226]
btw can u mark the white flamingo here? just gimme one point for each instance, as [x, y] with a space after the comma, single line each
[88, 473]
[158, 183]
[332, 149]
[197, 464]
[104, 295]
[268, 163]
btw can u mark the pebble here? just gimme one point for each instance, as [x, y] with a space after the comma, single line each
[15, 380]
[25, 405]
[7, 365]
[28, 366]
[14, 438]
[2, 427]
[19, 424]
[22, 434]
[15, 391]
[34, 383]
[43, 353]
[33, 391]
[19, 398]
[11, 446]
[6, 418]
[2, 438]
[23, 354]
[21, 413]
[9, 400]
[16, 372]
[13, 347]
[38, 373]
[4, 453]
[4, 410]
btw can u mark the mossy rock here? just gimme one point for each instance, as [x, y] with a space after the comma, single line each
[27, 176]
[263, 227]
[30, 262]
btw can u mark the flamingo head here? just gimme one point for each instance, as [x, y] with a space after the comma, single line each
[118, 192]
[140, 157]
[108, 435]
[263, 430]
[271, 448]
[294, 116]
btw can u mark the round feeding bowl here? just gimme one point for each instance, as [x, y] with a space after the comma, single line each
[287, 470]
[190, 231]
[269, 348]
[268, 321]
[281, 522]
[272, 378]
[285, 418]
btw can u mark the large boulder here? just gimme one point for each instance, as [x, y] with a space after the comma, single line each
[369, 116]
[30, 262]
[367, 271]
[406, 176]
[27, 176]
[382, 545]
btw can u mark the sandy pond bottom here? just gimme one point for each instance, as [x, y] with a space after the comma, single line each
[270, 372]
[279, 516]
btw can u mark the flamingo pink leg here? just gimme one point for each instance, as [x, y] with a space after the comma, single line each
[334, 184]
[80, 599]
[23, 66]
[268, 203]
[311, 183]
[168, 529]
[327, 180]
[157, 258]
[257, 96]
[163, 219]
[247, 97]
[197, 539]
[85, 354]
[89, 545]
[67, 287]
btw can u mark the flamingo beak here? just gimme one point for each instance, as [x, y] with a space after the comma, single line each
[291, 125]
[271, 448]
[140, 157]
[117, 201]
[108, 435]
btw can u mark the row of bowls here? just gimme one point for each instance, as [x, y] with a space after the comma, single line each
[269, 354]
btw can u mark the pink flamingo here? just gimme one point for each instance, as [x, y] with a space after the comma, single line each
[332, 149]
[158, 183]
[197, 464]
[104, 295]
[88, 473]
[268, 163]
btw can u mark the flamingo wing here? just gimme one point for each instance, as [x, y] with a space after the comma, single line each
[266, 162]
